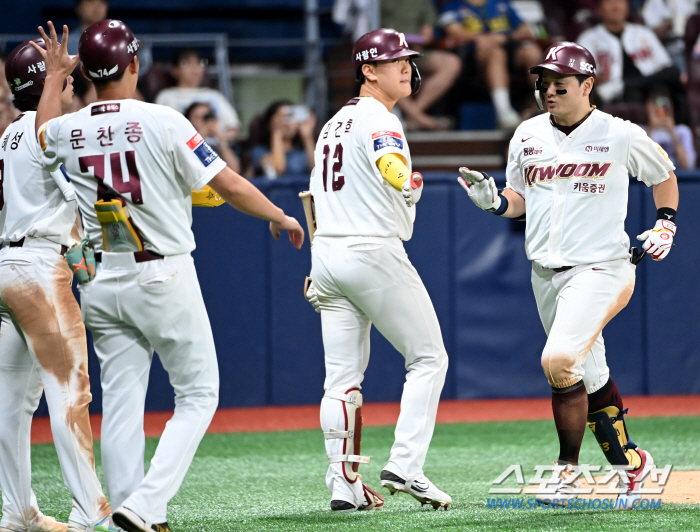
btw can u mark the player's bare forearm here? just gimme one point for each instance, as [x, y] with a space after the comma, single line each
[666, 193]
[516, 203]
[244, 196]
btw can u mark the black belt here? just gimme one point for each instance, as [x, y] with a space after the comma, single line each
[139, 256]
[562, 269]
[20, 243]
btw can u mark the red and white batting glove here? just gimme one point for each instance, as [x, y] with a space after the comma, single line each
[481, 189]
[412, 188]
[658, 241]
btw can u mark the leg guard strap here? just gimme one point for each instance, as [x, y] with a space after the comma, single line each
[611, 435]
[352, 399]
[355, 458]
[351, 433]
[335, 434]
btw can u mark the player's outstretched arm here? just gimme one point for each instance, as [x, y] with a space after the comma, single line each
[658, 241]
[59, 65]
[245, 197]
[483, 192]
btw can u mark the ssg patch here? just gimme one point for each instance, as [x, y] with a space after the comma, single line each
[202, 150]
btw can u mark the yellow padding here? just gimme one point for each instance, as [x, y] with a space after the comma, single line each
[207, 197]
[123, 237]
[394, 170]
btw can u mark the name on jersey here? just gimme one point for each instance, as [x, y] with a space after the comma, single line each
[598, 149]
[105, 108]
[387, 139]
[202, 150]
[535, 174]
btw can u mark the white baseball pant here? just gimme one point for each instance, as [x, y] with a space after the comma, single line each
[42, 341]
[363, 281]
[574, 306]
[133, 309]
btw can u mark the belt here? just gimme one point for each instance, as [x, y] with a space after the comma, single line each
[139, 256]
[562, 269]
[20, 243]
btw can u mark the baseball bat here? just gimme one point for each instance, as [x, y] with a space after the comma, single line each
[307, 200]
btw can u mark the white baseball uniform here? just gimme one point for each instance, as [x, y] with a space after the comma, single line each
[363, 277]
[151, 156]
[42, 337]
[575, 189]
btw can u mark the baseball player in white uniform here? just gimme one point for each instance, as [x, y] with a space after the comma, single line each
[568, 174]
[42, 337]
[364, 195]
[133, 166]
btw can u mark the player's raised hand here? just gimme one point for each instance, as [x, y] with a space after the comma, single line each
[56, 57]
[658, 241]
[481, 189]
[296, 233]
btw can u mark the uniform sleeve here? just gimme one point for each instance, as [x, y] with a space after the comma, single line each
[65, 186]
[646, 160]
[48, 142]
[514, 175]
[384, 134]
[194, 159]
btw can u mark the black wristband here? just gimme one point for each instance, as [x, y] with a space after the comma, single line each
[503, 207]
[666, 213]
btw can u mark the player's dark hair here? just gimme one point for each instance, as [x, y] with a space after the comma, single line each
[26, 102]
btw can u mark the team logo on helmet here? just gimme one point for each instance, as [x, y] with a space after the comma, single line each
[402, 40]
[103, 72]
[133, 46]
[553, 52]
[114, 24]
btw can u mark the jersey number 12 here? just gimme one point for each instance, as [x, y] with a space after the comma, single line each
[337, 180]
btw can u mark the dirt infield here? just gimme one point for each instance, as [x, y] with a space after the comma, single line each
[681, 487]
[275, 418]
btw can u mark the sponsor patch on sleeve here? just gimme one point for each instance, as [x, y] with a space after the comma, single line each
[387, 141]
[202, 150]
[386, 133]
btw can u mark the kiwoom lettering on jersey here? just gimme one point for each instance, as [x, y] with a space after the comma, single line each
[105, 108]
[535, 174]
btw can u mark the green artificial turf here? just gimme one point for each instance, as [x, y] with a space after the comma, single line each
[275, 481]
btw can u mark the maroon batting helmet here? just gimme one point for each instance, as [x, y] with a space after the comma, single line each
[25, 69]
[106, 48]
[380, 45]
[567, 58]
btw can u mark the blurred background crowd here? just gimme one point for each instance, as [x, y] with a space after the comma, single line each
[259, 78]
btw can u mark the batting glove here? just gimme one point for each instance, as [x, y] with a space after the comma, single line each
[311, 295]
[412, 188]
[658, 241]
[481, 189]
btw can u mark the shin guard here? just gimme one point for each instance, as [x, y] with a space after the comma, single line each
[351, 433]
[608, 426]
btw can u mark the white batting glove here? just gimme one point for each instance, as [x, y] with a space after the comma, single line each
[311, 295]
[658, 241]
[412, 188]
[481, 189]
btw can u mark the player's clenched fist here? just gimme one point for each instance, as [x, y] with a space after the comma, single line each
[658, 241]
[412, 188]
[481, 189]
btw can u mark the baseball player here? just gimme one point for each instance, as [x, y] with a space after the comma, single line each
[364, 195]
[42, 337]
[568, 174]
[133, 166]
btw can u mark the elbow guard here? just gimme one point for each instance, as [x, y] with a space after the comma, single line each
[394, 170]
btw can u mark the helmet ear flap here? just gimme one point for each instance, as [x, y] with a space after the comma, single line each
[415, 78]
[539, 93]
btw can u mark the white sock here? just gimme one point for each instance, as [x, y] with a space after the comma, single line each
[501, 100]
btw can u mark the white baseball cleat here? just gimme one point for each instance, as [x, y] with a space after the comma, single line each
[561, 487]
[636, 480]
[421, 489]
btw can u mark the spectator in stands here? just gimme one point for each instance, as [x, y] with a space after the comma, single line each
[205, 122]
[630, 57]
[439, 69]
[676, 139]
[566, 20]
[89, 12]
[287, 141]
[668, 19]
[189, 72]
[492, 33]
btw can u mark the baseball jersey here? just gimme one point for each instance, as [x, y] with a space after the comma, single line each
[149, 155]
[33, 201]
[351, 196]
[575, 187]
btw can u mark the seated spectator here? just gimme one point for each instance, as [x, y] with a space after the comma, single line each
[676, 139]
[668, 19]
[566, 20]
[189, 73]
[492, 33]
[205, 122]
[630, 57]
[439, 69]
[89, 12]
[287, 142]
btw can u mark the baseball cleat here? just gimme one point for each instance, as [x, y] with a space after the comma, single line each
[636, 480]
[421, 489]
[373, 501]
[561, 487]
[129, 521]
[161, 527]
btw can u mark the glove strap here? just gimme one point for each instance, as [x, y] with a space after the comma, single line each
[503, 207]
